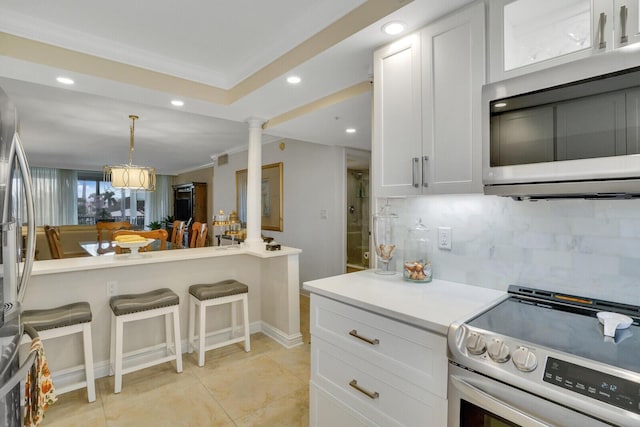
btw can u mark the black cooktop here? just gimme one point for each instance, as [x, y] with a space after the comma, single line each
[565, 323]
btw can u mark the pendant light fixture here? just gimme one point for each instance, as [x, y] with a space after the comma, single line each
[129, 176]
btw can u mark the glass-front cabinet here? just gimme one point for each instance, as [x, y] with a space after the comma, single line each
[528, 35]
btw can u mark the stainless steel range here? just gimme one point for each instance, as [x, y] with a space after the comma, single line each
[541, 358]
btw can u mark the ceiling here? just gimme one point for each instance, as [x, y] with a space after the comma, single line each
[227, 61]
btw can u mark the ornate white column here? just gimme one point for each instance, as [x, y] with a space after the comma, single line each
[254, 179]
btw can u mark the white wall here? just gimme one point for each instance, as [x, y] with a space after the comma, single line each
[314, 180]
[583, 247]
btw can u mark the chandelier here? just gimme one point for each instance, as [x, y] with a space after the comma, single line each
[130, 176]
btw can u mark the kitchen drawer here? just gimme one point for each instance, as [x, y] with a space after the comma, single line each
[417, 355]
[397, 402]
[326, 410]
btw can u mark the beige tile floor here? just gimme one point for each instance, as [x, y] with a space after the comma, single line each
[265, 387]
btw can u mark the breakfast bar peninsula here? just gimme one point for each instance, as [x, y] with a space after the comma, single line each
[271, 276]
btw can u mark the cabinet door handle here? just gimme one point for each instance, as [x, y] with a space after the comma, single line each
[601, 23]
[414, 172]
[370, 395]
[623, 24]
[354, 333]
[425, 175]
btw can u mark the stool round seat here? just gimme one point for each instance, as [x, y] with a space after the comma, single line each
[59, 317]
[221, 289]
[133, 303]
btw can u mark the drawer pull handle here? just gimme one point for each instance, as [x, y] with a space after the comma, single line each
[374, 341]
[374, 395]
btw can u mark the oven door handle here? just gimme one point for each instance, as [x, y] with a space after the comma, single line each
[494, 405]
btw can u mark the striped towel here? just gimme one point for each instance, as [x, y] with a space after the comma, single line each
[38, 390]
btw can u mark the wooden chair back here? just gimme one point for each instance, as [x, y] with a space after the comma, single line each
[177, 234]
[110, 227]
[161, 235]
[53, 239]
[198, 235]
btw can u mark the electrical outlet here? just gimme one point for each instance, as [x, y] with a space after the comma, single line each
[112, 288]
[324, 214]
[444, 238]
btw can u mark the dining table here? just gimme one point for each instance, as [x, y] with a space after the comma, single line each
[94, 248]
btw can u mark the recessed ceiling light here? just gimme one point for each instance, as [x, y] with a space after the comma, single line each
[350, 130]
[177, 103]
[500, 104]
[65, 80]
[294, 80]
[393, 28]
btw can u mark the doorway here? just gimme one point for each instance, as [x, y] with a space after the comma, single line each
[357, 218]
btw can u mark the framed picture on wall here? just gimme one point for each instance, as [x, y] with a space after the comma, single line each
[270, 196]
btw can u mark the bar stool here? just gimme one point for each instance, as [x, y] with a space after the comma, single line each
[132, 307]
[62, 321]
[206, 295]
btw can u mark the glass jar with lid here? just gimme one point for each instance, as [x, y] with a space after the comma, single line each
[384, 240]
[417, 255]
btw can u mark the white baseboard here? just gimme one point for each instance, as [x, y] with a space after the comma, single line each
[285, 340]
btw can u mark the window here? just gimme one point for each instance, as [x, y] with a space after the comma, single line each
[99, 201]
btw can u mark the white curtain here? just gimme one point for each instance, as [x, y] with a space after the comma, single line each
[157, 204]
[69, 197]
[55, 195]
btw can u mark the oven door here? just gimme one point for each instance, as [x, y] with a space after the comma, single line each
[476, 401]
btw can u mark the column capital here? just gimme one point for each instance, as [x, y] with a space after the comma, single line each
[255, 122]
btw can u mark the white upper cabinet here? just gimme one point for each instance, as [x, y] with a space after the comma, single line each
[397, 118]
[427, 109]
[453, 64]
[529, 35]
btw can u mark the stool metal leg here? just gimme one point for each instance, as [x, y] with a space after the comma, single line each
[176, 338]
[88, 362]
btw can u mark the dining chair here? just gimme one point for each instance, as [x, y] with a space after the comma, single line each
[55, 247]
[110, 227]
[160, 234]
[177, 234]
[198, 235]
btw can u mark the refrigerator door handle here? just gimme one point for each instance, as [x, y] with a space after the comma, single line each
[31, 217]
[24, 368]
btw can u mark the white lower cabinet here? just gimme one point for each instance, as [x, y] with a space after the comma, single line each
[371, 370]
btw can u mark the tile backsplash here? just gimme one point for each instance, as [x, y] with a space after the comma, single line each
[582, 247]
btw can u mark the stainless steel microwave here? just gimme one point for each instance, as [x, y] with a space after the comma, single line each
[567, 131]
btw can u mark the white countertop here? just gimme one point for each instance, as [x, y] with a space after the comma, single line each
[433, 306]
[124, 260]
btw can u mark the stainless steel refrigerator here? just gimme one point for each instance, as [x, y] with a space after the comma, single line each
[17, 242]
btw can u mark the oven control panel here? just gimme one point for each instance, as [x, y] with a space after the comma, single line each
[606, 388]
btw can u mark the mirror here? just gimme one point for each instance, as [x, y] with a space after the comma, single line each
[271, 196]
